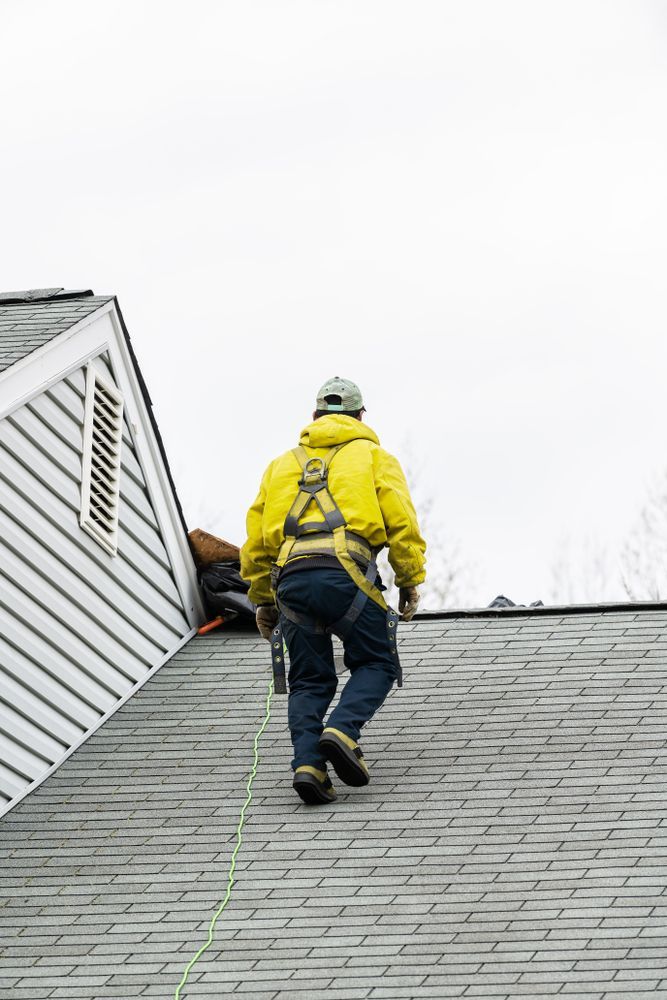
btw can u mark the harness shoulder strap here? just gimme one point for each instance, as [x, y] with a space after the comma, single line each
[303, 458]
[301, 455]
[316, 490]
[313, 485]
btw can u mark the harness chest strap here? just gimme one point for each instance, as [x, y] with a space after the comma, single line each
[321, 543]
[313, 487]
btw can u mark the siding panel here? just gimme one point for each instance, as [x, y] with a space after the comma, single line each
[50, 473]
[30, 677]
[79, 620]
[56, 528]
[33, 738]
[78, 627]
[39, 710]
[11, 785]
[28, 556]
[49, 660]
[24, 763]
[143, 527]
[60, 637]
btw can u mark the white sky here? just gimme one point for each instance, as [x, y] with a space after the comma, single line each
[461, 206]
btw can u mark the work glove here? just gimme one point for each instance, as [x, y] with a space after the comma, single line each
[266, 617]
[408, 599]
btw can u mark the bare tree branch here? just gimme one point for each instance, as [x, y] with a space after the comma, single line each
[644, 555]
[449, 577]
[584, 571]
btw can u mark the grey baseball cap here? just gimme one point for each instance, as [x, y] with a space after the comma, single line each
[350, 396]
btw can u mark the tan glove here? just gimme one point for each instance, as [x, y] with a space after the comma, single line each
[408, 599]
[266, 617]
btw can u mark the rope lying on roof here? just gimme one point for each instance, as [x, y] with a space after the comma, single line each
[237, 846]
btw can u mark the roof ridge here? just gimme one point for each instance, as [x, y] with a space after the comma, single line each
[548, 609]
[31, 295]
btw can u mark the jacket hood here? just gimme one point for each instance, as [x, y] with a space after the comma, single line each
[335, 428]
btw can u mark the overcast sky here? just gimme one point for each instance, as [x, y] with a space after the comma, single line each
[461, 206]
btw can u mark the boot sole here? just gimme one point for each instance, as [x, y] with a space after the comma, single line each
[343, 761]
[310, 791]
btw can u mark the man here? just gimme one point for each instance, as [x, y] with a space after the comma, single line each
[323, 512]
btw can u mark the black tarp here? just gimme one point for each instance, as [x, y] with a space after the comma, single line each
[225, 592]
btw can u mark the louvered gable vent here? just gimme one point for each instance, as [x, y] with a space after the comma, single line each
[102, 437]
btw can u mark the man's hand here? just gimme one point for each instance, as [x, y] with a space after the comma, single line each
[266, 617]
[408, 599]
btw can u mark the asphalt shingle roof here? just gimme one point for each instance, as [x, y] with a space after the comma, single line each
[31, 323]
[512, 842]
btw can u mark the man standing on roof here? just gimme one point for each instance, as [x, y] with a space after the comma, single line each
[323, 512]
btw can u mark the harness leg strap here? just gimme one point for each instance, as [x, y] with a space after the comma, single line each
[278, 660]
[307, 623]
[392, 629]
[343, 626]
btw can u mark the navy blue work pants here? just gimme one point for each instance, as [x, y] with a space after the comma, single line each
[325, 595]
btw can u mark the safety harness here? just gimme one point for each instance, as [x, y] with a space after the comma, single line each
[329, 537]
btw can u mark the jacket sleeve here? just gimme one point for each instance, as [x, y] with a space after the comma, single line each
[255, 560]
[406, 545]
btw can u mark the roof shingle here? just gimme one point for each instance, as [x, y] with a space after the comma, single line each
[512, 841]
[30, 322]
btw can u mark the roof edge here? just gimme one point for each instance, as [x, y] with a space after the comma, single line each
[548, 609]
[149, 407]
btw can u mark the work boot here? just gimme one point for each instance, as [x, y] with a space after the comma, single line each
[345, 756]
[313, 786]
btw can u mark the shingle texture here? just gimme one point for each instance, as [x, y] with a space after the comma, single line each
[512, 842]
[25, 326]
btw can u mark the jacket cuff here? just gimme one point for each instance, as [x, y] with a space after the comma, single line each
[415, 581]
[261, 596]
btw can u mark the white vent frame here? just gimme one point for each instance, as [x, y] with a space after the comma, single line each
[102, 442]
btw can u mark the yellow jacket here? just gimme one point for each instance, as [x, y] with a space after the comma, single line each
[366, 482]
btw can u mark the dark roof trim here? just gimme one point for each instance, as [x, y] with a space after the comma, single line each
[149, 407]
[43, 295]
[553, 609]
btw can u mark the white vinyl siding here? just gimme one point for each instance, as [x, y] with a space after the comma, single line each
[79, 627]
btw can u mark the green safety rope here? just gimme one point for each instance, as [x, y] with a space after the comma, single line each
[239, 835]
